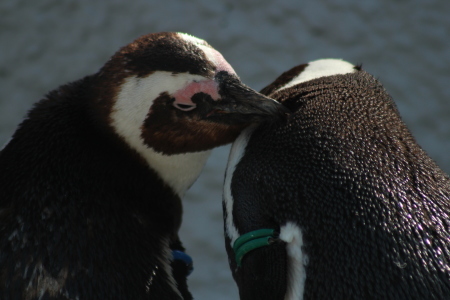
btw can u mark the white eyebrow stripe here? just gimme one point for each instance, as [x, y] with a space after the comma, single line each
[321, 68]
[211, 54]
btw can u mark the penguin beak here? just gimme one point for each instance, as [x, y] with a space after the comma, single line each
[241, 104]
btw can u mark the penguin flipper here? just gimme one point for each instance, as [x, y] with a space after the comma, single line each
[180, 271]
[260, 277]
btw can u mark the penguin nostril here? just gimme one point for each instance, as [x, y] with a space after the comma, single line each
[185, 107]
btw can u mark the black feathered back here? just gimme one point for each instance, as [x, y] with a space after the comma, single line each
[373, 208]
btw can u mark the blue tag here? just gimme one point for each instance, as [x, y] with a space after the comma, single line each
[181, 256]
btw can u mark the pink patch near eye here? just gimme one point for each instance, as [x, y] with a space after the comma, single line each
[183, 97]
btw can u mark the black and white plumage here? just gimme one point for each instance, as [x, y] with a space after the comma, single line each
[362, 212]
[91, 181]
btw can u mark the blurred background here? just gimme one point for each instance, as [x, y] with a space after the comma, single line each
[405, 44]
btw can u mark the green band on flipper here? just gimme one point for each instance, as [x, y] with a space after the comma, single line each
[251, 241]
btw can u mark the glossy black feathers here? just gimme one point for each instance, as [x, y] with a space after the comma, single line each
[373, 208]
[80, 214]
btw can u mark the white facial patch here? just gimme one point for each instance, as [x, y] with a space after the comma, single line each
[213, 55]
[192, 39]
[321, 68]
[179, 171]
[218, 60]
[236, 153]
[129, 112]
[297, 261]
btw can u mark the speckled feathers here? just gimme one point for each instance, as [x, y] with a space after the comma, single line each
[372, 207]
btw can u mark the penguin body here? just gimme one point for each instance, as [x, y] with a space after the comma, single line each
[91, 181]
[360, 210]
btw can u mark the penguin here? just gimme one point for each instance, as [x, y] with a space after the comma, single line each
[337, 201]
[91, 181]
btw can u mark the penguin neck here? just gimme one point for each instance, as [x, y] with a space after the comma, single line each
[178, 171]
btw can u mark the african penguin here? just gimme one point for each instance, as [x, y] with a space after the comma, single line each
[337, 201]
[91, 181]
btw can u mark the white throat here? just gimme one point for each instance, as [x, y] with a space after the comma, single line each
[128, 114]
[179, 171]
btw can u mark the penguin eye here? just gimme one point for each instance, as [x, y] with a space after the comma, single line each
[185, 107]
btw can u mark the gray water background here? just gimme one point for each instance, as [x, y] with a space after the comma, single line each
[405, 44]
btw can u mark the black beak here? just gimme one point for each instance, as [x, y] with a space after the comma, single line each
[241, 104]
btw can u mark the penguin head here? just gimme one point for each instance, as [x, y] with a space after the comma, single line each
[174, 93]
